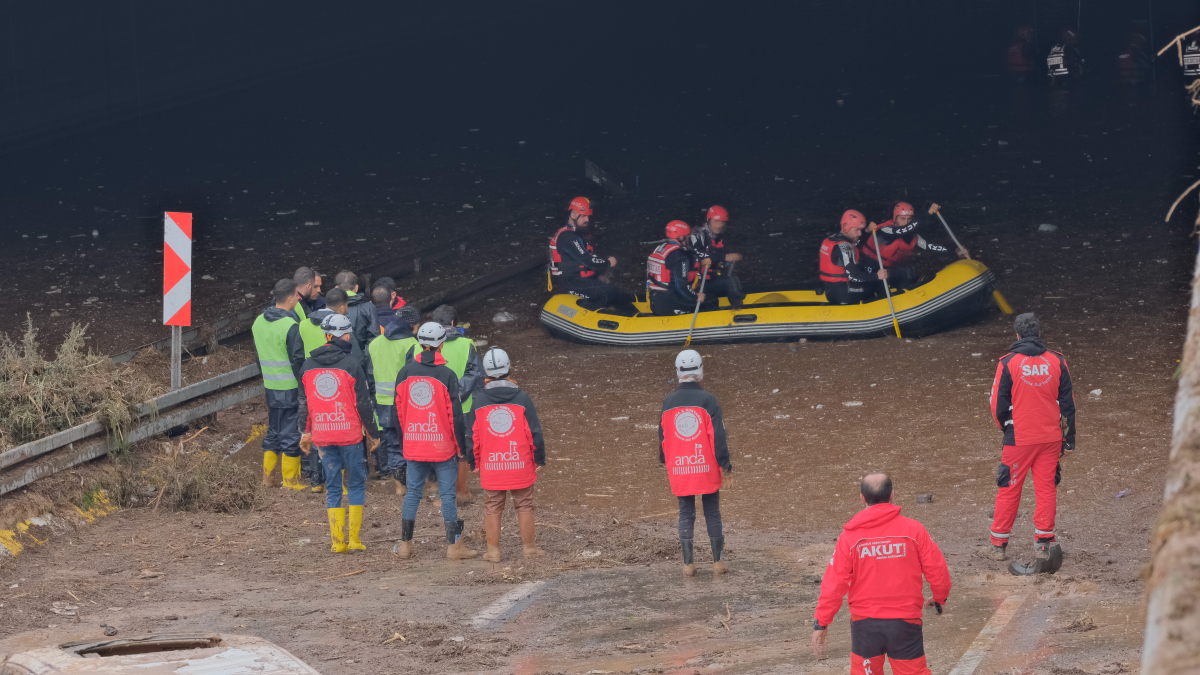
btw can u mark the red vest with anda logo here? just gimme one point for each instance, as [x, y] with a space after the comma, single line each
[689, 451]
[426, 420]
[658, 277]
[332, 407]
[503, 447]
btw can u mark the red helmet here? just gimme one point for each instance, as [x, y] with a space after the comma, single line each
[718, 213]
[902, 209]
[581, 205]
[853, 218]
[677, 229]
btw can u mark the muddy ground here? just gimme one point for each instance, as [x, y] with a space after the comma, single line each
[1111, 286]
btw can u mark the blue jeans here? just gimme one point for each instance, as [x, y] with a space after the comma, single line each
[334, 458]
[447, 476]
[389, 441]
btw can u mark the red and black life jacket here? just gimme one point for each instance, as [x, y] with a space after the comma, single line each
[658, 275]
[688, 447]
[571, 267]
[830, 272]
[503, 447]
[895, 252]
[425, 417]
[332, 407]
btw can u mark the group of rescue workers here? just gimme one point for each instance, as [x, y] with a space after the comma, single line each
[690, 270]
[346, 380]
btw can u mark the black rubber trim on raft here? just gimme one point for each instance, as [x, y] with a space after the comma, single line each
[958, 303]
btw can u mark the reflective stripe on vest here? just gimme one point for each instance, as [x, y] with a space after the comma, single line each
[426, 420]
[658, 277]
[270, 341]
[829, 271]
[1056, 64]
[556, 259]
[688, 447]
[457, 352]
[332, 407]
[387, 358]
[503, 447]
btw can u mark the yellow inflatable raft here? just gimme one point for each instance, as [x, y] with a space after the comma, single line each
[959, 290]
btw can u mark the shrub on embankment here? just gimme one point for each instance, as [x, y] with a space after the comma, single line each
[163, 475]
[40, 396]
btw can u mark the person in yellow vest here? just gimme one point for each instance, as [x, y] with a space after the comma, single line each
[386, 356]
[461, 357]
[335, 410]
[280, 355]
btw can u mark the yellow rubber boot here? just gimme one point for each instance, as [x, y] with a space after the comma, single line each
[337, 529]
[270, 459]
[291, 473]
[355, 524]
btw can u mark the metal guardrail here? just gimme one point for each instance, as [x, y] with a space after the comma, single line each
[95, 447]
[74, 454]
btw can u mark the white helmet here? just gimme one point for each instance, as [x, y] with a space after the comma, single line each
[336, 325]
[688, 363]
[431, 334]
[495, 362]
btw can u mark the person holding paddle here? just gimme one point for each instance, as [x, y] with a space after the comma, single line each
[667, 275]
[847, 278]
[898, 242]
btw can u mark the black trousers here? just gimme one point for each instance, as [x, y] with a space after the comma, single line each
[712, 515]
[725, 287]
[900, 641]
[593, 288]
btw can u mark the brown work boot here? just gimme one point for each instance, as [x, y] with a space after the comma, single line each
[401, 488]
[405, 550]
[718, 550]
[528, 548]
[457, 550]
[998, 552]
[462, 493]
[491, 526]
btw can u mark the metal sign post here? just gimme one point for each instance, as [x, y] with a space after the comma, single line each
[177, 284]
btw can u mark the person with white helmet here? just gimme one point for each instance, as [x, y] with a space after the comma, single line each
[505, 444]
[691, 439]
[334, 410]
[429, 419]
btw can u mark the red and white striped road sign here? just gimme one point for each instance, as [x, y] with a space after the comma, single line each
[177, 269]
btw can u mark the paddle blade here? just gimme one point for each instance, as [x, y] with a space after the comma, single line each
[1002, 303]
[897, 325]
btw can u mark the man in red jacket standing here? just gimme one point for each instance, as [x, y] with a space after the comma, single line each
[879, 559]
[1033, 404]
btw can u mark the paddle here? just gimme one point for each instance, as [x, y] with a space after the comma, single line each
[1000, 301]
[703, 278]
[887, 291]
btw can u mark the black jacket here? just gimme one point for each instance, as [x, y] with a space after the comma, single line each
[332, 356]
[425, 365]
[505, 391]
[692, 394]
[361, 313]
[705, 244]
[383, 317]
[573, 248]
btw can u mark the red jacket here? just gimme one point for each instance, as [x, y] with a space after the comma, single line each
[879, 558]
[1032, 390]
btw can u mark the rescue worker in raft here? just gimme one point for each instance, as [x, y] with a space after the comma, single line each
[898, 241]
[334, 411]
[846, 277]
[576, 266]
[667, 272]
[706, 244]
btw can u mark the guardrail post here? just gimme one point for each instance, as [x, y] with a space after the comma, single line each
[176, 357]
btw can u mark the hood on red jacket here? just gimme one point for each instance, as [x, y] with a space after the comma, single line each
[873, 516]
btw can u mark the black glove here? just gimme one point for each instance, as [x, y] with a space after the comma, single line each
[1067, 446]
[817, 625]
